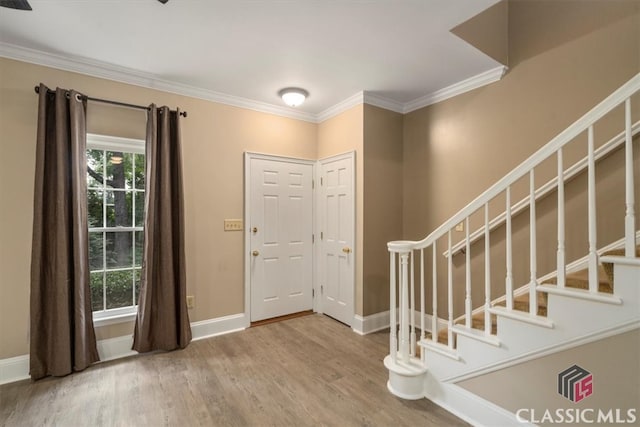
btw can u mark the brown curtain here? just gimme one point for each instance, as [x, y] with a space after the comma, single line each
[62, 336]
[163, 320]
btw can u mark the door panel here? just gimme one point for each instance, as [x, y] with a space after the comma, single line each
[337, 225]
[281, 208]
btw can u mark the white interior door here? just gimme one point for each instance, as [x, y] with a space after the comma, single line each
[337, 236]
[280, 236]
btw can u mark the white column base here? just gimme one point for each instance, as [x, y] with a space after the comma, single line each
[406, 380]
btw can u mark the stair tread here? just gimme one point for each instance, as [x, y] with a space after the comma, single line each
[579, 283]
[576, 280]
[608, 267]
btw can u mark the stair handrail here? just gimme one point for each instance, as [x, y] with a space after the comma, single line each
[572, 171]
[563, 138]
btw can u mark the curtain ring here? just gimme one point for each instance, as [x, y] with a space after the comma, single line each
[78, 97]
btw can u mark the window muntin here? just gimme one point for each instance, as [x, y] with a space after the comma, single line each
[115, 196]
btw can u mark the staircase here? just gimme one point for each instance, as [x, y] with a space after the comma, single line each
[598, 293]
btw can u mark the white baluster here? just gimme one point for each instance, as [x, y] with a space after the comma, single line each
[561, 261]
[393, 339]
[404, 311]
[533, 300]
[629, 218]
[412, 304]
[591, 194]
[487, 272]
[434, 290]
[467, 300]
[509, 255]
[422, 301]
[450, 293]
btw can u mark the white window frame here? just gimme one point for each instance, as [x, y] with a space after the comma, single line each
[129, 145]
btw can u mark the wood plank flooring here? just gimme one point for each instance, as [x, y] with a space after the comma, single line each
[306, 371]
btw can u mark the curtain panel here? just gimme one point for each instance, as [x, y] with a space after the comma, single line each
[62, 338]
[163, 320]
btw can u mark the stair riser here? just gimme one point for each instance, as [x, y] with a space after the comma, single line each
[572, 318]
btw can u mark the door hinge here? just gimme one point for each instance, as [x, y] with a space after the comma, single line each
[322, 289]
[313, 238]
[321, 235]
[313, 184]
[313, 293]
[321, 182]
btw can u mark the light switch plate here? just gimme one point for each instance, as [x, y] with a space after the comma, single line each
[232, 225]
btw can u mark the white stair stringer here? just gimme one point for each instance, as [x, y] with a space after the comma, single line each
[571, 317]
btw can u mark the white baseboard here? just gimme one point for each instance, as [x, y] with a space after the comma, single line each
[17, 368]
[468, 406]
[379, 321]
[115, 348]
[218, 326]
[14, 369]
[369, 324]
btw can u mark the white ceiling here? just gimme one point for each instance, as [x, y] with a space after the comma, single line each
[399, 50]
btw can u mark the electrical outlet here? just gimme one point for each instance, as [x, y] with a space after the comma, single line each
[232, 225]
[191, 301]
[460, 227]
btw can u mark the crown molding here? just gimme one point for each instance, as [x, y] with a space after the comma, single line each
[120, 74]
[382, 102]
[126, 75]
[456, 89]
[341, 107]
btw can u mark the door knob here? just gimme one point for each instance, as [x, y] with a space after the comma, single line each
[346, 250]
[255, 253]
[254, 229]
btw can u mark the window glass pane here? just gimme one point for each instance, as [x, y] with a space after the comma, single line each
[119, 289]
[119, 249]
[139, 208]
[95, 168]
[94, 204]
[139, 236]
[139, 171]
[118, 166]
[96, 250]
[115, 198]
[119, 209]
[96, 291]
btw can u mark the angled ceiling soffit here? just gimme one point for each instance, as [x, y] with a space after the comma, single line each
[488, 32]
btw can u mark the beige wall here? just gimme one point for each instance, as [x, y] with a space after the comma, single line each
[565, 57]
[382, 202]
[614, 363]
[341, 134]
[214, 139]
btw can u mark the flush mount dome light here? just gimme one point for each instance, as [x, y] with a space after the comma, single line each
[293, 96]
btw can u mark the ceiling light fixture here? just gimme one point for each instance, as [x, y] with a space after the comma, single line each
[293, 96]
[16, 4]
[24, 4]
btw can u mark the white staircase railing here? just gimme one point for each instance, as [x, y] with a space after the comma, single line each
[403, 294]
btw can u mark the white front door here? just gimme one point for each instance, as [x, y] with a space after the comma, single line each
[337, 222]
[280, 232]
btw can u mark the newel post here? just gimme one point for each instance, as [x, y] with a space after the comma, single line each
[399, 312]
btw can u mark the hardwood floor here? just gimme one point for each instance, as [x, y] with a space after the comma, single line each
[305, 371]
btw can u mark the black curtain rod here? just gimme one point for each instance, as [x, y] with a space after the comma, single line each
[121, 104]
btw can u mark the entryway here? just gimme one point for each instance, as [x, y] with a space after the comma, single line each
[299, 236]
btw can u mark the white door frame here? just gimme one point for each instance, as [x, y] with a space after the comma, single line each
[317, 301]
[248, 156]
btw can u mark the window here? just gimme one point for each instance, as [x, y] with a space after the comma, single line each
[115, 197]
